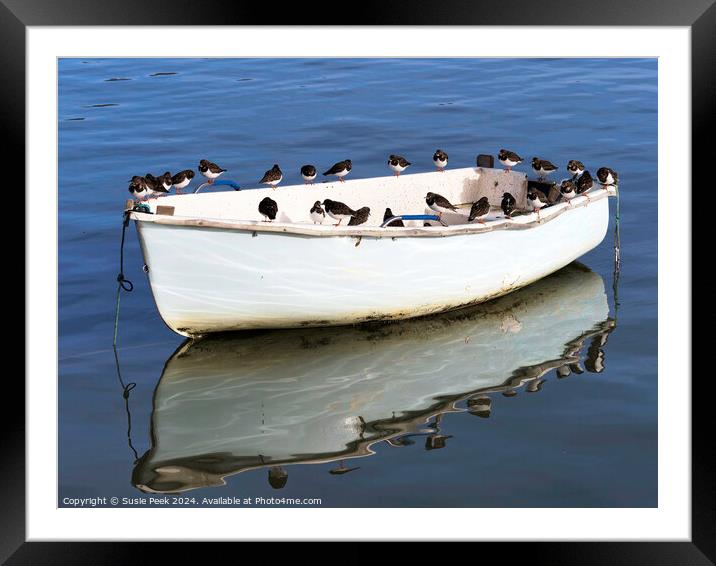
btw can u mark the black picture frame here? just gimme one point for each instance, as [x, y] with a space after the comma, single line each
[699, 15]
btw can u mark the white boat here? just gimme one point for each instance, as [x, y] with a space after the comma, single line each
[230, 403]
[214, 265]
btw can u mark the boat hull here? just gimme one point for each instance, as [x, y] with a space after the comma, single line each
[209, 279]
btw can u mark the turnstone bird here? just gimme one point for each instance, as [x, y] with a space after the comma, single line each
[479, 210]
[440, 158]
[338, 210]
[607, 176]
[361, 217]
[155, 187]
[536, 199]
[543, 167]
[508, 159]
[318, 215]
[308, 172]
[166, 180]
[182, 179]
[508, 204]
[568, 190]
[210, 170]
[439, 203]
[584, 183]
[395, 224]
[340, 169]
[268, 209]
[575, 168]
[272, 177]
[138, 187]
[398, 163]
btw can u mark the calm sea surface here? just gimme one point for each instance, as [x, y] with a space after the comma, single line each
[544, 398]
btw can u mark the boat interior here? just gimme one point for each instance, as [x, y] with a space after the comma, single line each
[404, 195]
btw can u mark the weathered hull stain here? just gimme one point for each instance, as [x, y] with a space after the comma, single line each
[365, 320]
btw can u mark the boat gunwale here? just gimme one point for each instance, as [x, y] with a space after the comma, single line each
[306, 229]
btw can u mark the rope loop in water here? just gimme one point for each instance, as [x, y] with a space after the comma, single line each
[122, 281]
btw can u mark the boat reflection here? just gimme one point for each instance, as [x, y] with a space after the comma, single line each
[231, 403]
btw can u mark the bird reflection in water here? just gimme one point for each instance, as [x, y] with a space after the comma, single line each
[342, 469]
[277, 477]
[480, 407]
[436, 440]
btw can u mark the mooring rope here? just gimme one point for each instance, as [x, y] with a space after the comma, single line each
[126, 390]
[617, 254]
[122, 281]
[617, 238]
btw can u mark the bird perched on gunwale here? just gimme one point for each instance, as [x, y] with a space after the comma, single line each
[607, 176]
[182, 179]
[440, 158]
[340, 169]
[508, 158]
[268, 209]
[151, 179]
[439, 203]
[575, 168]
[398, 164]
[479, 210]
[165, 180]
[318, 215]
[361, 216]
[308, 172]
[155, 186]
[338, 210]
[138, 187]
[584, 183]
[543, 167]
[210, 170]
[537, 200]
[395, 224]
[568, 190]
[508, 204]
[272, 177]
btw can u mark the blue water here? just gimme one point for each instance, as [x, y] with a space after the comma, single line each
[586, 441]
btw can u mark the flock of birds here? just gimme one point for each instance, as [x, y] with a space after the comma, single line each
[579, 183]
